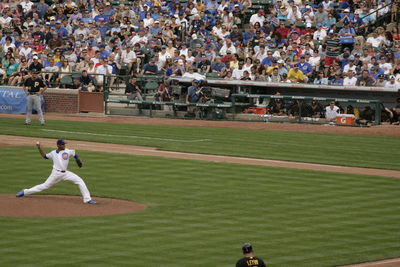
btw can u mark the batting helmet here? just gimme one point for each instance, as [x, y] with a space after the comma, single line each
[247, 248]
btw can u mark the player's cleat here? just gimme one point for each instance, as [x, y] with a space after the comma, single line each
[27, 123]
[20, 193]
[91, 202]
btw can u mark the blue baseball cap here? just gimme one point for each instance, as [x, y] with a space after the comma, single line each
[61, 142]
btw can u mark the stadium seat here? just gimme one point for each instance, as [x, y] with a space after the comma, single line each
[76, 75]
[300, 24]
[212, 75]
[151, 87]
[66, 80]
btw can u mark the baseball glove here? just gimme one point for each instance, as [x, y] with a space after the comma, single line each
[79, 163]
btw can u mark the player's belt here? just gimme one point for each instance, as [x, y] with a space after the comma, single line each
[32, 93]
[59, 170]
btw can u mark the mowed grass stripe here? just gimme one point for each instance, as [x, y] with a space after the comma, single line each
[334, 149]
[202, 212]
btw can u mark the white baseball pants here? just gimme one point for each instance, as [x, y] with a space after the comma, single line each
[56, 177]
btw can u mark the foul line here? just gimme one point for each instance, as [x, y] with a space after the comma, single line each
[131, 136]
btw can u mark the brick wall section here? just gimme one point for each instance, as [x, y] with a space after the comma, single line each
[62, 100]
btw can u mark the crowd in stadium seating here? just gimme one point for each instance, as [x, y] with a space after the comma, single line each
[319, 42]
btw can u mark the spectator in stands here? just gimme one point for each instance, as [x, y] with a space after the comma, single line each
[8, 44]
[285, 78]
[320, 79]
[42, 28]
[204, 64]
[163, 92]
[237, 72]
[320, 33]
[305, 67]
[218, 66]
[192, 75]
[258, 17]
[320, 15]
[103, 70]
[87, 82]
[65, 70]
[25, 50]
[133, 90]
[380, 82]
[335, 78]
[392, 83]
[350, 80]
[11, 68]
[21, 75]
[150, 68]
[296, 76]
[333, 48]
[3, 74]
[350, 65]
[365, 79]
[275, 77]
[347, 34]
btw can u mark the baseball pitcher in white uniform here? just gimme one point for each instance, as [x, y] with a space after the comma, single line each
[60, 158]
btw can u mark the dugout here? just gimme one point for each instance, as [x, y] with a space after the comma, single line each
[298, 109]
[387, 96]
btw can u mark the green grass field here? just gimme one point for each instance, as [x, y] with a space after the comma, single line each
[347, 150]
[200, 213]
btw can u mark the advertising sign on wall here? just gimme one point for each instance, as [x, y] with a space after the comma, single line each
[14, 101]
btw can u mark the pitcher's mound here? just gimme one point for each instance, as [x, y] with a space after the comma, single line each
[63, 206]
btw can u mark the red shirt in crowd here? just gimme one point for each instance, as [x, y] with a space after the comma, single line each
[283, 31]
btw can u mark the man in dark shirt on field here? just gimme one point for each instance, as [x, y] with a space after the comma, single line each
[249, 260]
[34, 87]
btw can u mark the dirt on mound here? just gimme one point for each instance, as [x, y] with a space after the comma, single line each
[63, 206]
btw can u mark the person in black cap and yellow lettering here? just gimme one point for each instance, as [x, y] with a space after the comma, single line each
[34, 87]
[60, 158]
[249, 260]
